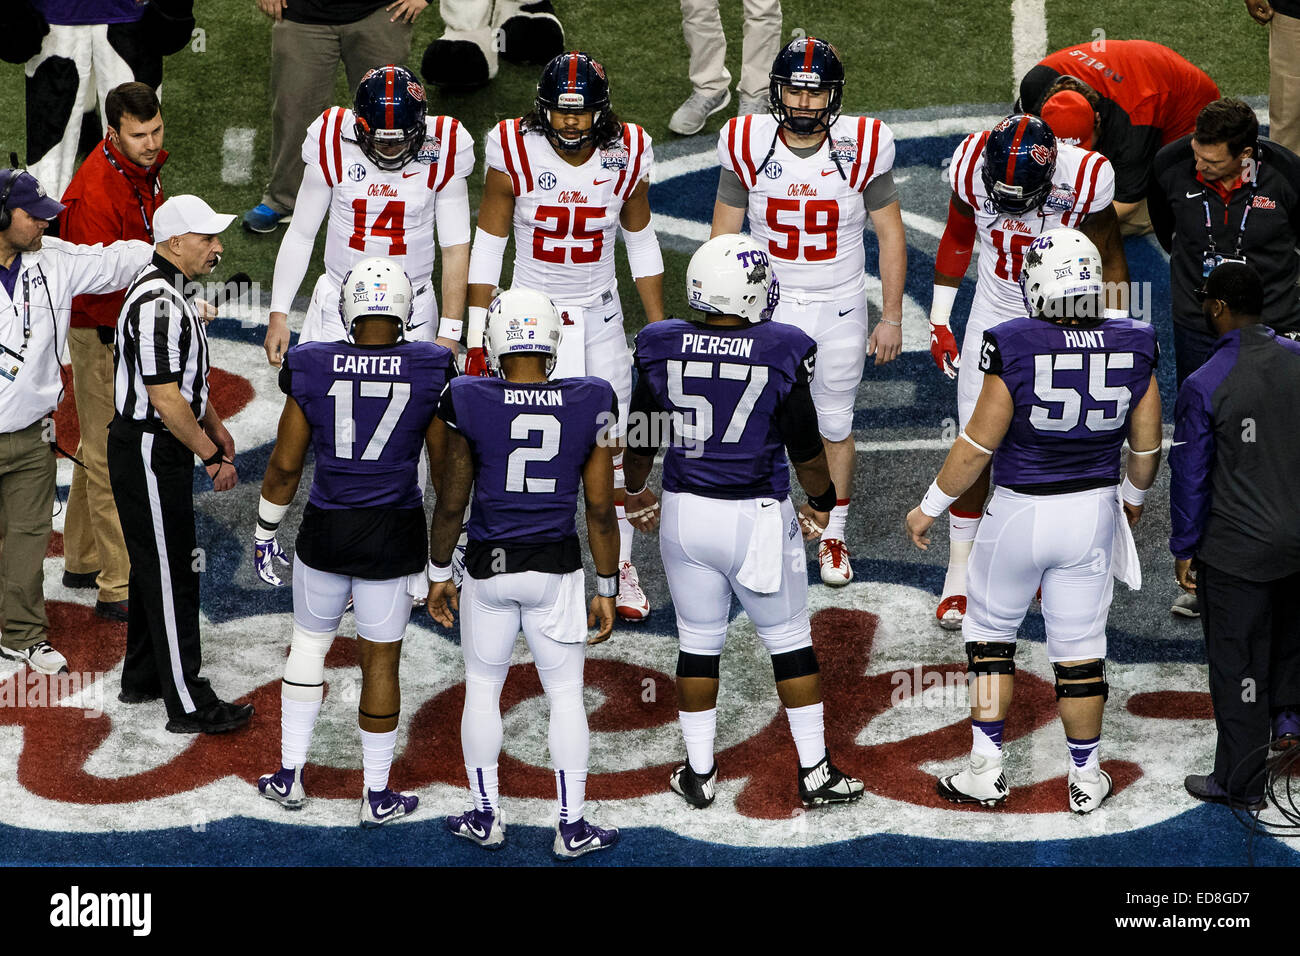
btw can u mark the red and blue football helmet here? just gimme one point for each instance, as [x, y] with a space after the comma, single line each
[572, 83]
[390, 108]
[1019, 160]
[807, 64]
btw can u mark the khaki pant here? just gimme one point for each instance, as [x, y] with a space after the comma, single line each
[702, 27]
[26, 505]
[92, 534]
[1284, 82]
[304, 61]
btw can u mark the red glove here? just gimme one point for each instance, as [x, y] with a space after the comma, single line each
[476, 362]
[944, 349]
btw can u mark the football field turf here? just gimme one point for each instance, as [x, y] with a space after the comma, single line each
[119, 789]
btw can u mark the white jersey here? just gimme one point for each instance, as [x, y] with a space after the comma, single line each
[566, 216]
[1083, 183]
[376, 212]
[808, 211]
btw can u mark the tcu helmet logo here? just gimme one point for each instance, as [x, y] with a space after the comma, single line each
[1042, 155]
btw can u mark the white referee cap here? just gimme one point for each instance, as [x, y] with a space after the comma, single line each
[182, 214]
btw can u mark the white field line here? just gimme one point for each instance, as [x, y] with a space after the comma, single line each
[237, 155]
[1028, 38]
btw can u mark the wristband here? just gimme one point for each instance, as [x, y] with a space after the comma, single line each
[269, 516]
[935, 501]
[825, 501]
[439, 572]
[941, 304]
[214, 459]
[628, 492]
[450, 328]
[1131, 493]
[897, 325]
[476, 325]
[607, 585]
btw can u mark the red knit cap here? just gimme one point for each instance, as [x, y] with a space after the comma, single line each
[1071, 118]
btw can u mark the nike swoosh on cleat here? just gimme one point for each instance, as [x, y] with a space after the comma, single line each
[577, 844]
[279, 788]
[478, 831]
[383, 811]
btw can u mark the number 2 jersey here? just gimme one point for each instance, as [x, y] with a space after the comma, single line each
[566, 216]
[808, 211]
[530, 443]
[727, 392]
[1073, 391]
[369, 408]
[1083, 183]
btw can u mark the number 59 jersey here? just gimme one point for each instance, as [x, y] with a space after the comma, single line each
[722, 389]
[1073, 391]
[378, 212]
[530, 443]
[566, 216]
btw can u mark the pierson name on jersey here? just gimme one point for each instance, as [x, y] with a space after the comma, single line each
[532, 396]
[717, 344]
[368, 364]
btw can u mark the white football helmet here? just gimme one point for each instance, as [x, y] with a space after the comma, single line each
[1061, 279]
[522, 321]
[731, 275]
[375, 287]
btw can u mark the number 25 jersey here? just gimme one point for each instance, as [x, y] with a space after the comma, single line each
[566, 216]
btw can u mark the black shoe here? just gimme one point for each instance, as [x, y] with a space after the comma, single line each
[216, 718]
[112, 610]
[1207, 788]
[695, 788]
[79, 582]
[138, 696]
[826, 783]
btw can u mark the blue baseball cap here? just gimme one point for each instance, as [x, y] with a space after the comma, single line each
[29, 196]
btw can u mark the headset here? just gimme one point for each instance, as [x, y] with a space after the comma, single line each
[6, 217]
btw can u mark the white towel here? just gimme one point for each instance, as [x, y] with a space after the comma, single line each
[572, 360]
[761, 571]
[567, 622]
[417, 585]
[1123, 551]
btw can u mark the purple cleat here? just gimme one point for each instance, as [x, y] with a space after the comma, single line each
[572, 840]
[284, 787]
[1286, 730]
[382, 806]
[483, 827]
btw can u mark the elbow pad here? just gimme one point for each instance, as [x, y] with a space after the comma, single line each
[643, 255]
[485, 259]
[956, 245]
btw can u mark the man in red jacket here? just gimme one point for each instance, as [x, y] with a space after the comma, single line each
[1123, 98]
[112, 196]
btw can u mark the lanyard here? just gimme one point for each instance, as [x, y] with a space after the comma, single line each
[27, 315]
[148, 227]
[1241, 230]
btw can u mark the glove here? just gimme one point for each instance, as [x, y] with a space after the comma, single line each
[265, 553]
[476, 362]
[168, 25]
[943, 347]
[22, 28]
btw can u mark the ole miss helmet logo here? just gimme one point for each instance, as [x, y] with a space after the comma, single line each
[1042, 155]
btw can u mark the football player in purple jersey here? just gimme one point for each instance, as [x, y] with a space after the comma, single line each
[736, 391]
[1062, 390]
[525, 443]
[367, 407]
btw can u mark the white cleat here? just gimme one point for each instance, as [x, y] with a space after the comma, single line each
[632, 604]
[1088, 790]
[982, 782]
[833, 556]
[951, 612]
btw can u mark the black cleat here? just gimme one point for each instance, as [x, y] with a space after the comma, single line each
[825, 783]
[695, 789]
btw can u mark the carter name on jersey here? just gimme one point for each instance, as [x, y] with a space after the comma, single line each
[368, 364]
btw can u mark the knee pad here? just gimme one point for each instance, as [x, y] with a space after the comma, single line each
[304, 671]
[1002, 652]
[697, 665]
[801, 662]
[836, 424]
[483, 696]
[1094, 672]
[565, 697]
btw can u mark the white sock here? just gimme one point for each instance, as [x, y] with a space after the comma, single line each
[625, 533]
[571, 789]
[699, 728]
[297, 721]
[377, 757]
[483, 784]
[808, 729]
[835, 526]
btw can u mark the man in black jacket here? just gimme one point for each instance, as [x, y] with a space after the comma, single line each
[1234, 459]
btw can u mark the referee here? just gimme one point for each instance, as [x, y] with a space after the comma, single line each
[163, 419]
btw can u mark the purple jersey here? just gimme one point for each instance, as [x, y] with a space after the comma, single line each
[722, 388]
[530, 443]
[369, 408]
[1073, 391]
[78, 12]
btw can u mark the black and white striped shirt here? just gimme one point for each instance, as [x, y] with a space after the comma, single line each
[160, 339]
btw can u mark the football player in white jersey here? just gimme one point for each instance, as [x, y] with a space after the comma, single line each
[808, 177]
[1009, 185]
[385, 172]
[564, 178]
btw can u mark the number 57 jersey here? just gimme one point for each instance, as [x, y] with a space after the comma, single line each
[530, 443]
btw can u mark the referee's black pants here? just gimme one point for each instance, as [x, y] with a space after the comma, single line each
[152, 474]
[1252, 642]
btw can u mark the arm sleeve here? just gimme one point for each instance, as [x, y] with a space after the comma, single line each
[880, 192]
[731, 191]
[159, 338]
[1191, 465]
[452, 213]
[644, 405]
[796, 417]
[295, 249]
